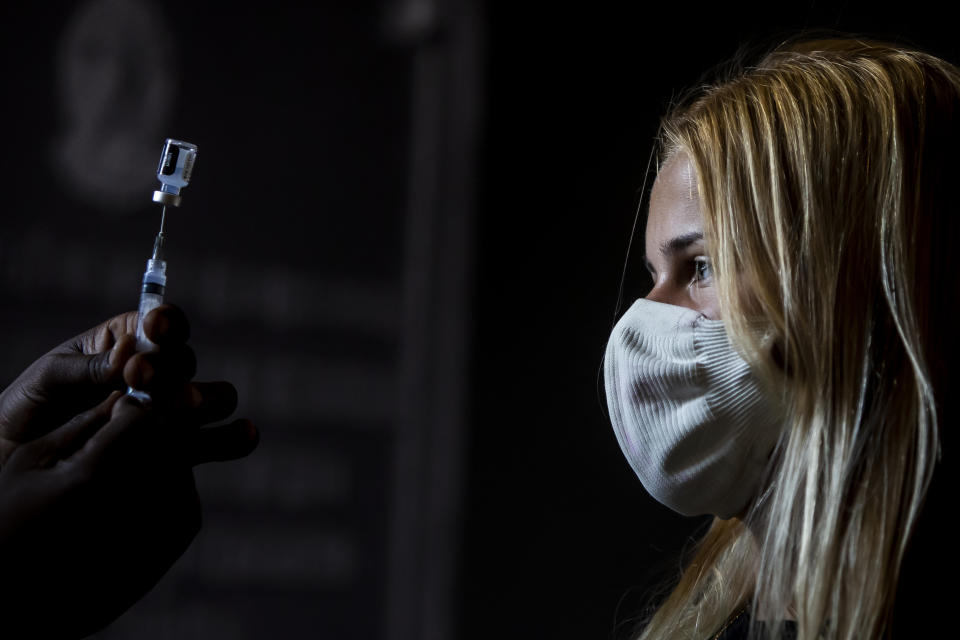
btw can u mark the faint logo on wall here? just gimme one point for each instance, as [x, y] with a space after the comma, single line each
[116, 80]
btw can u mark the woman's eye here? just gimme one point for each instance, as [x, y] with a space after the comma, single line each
[702, 270]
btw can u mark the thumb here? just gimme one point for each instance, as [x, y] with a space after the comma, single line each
[57, 386]
[72, 371]
[63, 441]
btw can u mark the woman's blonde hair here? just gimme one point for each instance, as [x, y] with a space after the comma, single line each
[823, 173]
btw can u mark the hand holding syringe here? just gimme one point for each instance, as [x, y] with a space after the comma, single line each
[176, 166]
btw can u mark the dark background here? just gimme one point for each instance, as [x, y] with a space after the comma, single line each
[325, 133]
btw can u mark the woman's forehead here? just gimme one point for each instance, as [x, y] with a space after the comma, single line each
[674, 204]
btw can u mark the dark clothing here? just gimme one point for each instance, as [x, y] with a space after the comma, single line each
[740, 627]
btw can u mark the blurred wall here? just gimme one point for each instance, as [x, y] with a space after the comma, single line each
[320, 253]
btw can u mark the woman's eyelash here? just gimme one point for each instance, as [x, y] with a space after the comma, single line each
[702, 269]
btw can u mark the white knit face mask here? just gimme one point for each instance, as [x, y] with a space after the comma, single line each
[688, 413]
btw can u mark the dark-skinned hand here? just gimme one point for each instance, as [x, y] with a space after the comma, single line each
[97, 495]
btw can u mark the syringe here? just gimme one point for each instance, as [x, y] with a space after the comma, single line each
[176, 166]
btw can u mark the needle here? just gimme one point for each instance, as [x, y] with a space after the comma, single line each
[158, 243]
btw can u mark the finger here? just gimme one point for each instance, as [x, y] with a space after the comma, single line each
[63, 442]
[167, 324]
[103, 336]
[216, 401]
[95, 357]
[227, 442]
[167, 367]
[195, 404]
[70, 379]
[126, 415]
[65, 370]
[58, 386]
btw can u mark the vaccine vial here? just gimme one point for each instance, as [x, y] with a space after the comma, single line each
[176, 165]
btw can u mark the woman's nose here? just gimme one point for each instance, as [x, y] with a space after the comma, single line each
[666, 292]
[663, 292]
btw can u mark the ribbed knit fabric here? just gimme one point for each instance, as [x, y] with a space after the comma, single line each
[688, 413]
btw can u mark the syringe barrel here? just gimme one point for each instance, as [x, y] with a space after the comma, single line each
[151, 296]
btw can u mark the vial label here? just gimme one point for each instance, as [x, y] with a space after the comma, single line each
[188, 166]
[169, 164]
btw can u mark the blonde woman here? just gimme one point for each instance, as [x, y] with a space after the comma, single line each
[784, 371]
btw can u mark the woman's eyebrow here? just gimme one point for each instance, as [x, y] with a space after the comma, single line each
[679, 243]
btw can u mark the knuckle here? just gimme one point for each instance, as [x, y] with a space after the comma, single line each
[96, 372]
[46, 373]
[79, 471]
